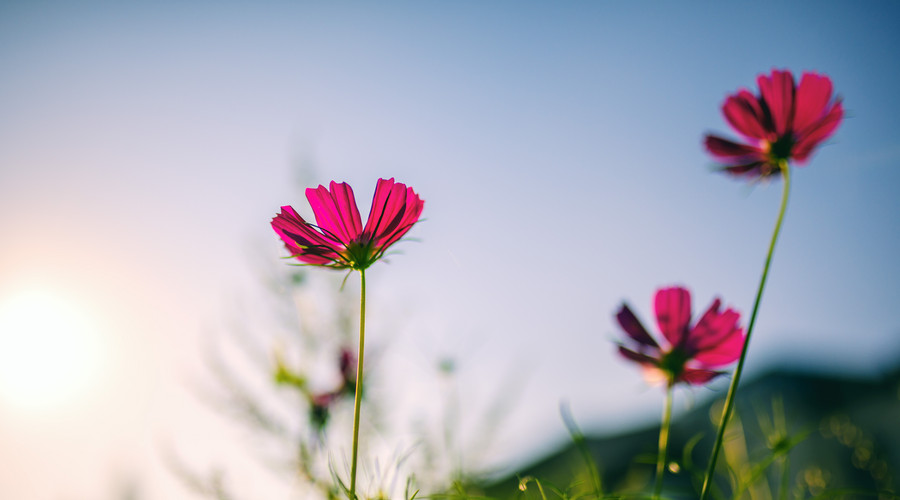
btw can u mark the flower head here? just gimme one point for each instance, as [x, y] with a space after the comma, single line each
[688, 354]
[784, 122]
[338, 239]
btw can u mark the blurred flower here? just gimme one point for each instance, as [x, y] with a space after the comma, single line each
[338, 239]
[688, 354]
[320, 403]
[347, 366]
[785, 122]
[320, 409]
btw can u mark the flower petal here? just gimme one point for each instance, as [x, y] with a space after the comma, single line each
[743, 112]
[818, 132]
[387, 208]
[633, 327]
[812, 98]
[336, 212]
[727, 150]
[705, 327]
[696, 376]
[395, 208]
[777, 92]
[411, 213]
[713, 328]
[304, 242]
[346, 204]
[673, 313]
[753, 169]
[637, 357]
[726, 351]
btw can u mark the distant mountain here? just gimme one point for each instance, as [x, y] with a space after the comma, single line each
[845, 432]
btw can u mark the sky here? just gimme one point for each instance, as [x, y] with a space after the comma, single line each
[144, 147]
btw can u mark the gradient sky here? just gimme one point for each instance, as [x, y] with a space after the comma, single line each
[144, 147]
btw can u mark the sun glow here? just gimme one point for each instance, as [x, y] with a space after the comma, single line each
[50, 351]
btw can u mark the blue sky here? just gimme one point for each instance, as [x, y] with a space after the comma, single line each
[145, 146]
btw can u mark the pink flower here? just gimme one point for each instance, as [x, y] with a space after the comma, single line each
[785, 122]
[338, 239]
[688, 354]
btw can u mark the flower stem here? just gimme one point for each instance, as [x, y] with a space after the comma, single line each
[732, 389]
[663, 443]
[359, 381]
[785, 478]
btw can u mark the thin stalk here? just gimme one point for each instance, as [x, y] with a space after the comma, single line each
[663, 442]
[785, 478]
[359, 381]
[732, 389]
[581, 446]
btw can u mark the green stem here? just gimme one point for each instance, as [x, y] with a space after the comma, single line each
[663, 442]
[359, 381]
[732, 390]
[785, 478]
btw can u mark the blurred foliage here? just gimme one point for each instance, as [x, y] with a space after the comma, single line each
[286, 374]
[286, 377]
[778, 447]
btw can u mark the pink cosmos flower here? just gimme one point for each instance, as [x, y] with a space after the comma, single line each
[338, 239]
[785, 122]
[688, 354]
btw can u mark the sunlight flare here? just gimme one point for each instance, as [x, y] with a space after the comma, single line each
[50, 351]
